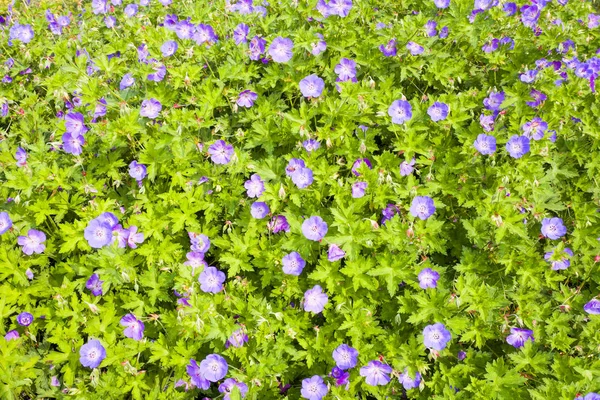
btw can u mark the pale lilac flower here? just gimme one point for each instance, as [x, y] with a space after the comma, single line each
[281, 49]
[535, 128]
[442, 3]
[335, 253]
[204, 34]
[228, 385]
[278, 224]
[237, 339]
[33, 242]
[150, 108]
[199, 242]
[12, 335]
[246, 98]
[389, 50]
[240, 33]
[94, 285]
[169, 48]
[517, 146]
[92, 353]
[422, 207]
[311, 145]
[293, 165]
[400, 111]
[220, 152]
[407, 382]
[494, 101]
[414, 48]
[137, 171]
[131, 10]
[407, 167]
[376, 373]
[21, 157]
[302, 177]
[214, 367]
[358, 189]
[553, 228]
[438, 111]
[563, 262]
[134, 238]
[211, 280]
[315, 300]
[256, 47]
[29, 274]
[24, 33]
[485, 144]
[98, 233]
[197, 376]
[99, 7]
[255, 186]
[592, 307]
[127, 81]
[314, 228]
[293, 263]
[312, 86]
[134, 328]
[5, 222]
[259, 210]
[340, 7]
[345, 356]
[518, 337]
[346, 69]
[431, 28]
[314, 388]
[436, 336]
[184, 29]
[428, 278]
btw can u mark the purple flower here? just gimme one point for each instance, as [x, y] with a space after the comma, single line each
[21, 157]
[359, 163]
[517, 146]
[312, 86]
[255, 186]
[443, 33]
[293, 264]
[54, 381]
[407, 382]
[278, 224]
[150, 108]
[159, 74]
[94, 285]
[431, 28]
[280, 49]
[110, 21]
[213, 367]
[302, 177]
[562, 262]
[314, 228]
[346, 69]
[184, 29]
[438, 111]
[422, 207]
[518, 337]
[259, 210]
[311, 145]
[529, 76]
[33, 242]
[530, 13]
[211, 280]
[196, 375]
[414, 48]
[99, 7]
[257, 47]
[24, 33]
[592, 307]
[75, 124]
[486, 122]
[593, 21]
[389, 50]
[510, 9]
[205, 34]
[535, 128]
[491, 46]
[137, 171]
[591, 395]
[134, 328]
[5, 222]
[98, 233]
[376, 373]
[358, 189]
[293, 165]
[436, 336]
[400, 111]
[406, 167]
[12, 335]
[345, 356]
[315, 299]
[109, 218]
[228, 385]
[199, 242]
[92, 353]
[428, 278]
[494, 101]
[4, 109]
[553, 228]
[461, 355]
[335, 253]
[220, 152]
[340, 7]
[323, 7]
[240, 34]
[29, 274]
[130, 10]
[127, 81]
[441, 3]
[72, 143]
[171, 21]
[237, 339]
[340, 376]
[195, 259]
[246, 98]
[168, 48]
[485, 144]
[319, 47]
[314, 388]
[134, 238]
[24, 319]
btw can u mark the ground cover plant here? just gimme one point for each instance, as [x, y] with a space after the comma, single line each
[299, 199]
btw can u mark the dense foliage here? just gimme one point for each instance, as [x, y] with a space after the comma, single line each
[367, 199]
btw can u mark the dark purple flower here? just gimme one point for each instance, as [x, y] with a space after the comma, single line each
[340, 376]
[278, 224]
[33, 242]
[302, 177]
[517, 146]
[592, 307]
[358, 189]
[150, 108]
[314, 388]
[345, 356]
[400, 111]
[220, 152]
[228, 385]
[280, 50]
[171, 21]
[312, 86]
[5, 222]
[314, 228]
[211, 280]
[436, 336]
[376, 373]
[359, 163]
[4, 109]
[92, 353]
[335, 253]
[422, 207]
[237, 339]
[24, 319]
[414, 48]
[98, 233]
[485, 144]
[246, 98]
[94, 285]
[12, 335]
[559, 261]
[255, 186]
[389, 50]
[407, 382]
[134, 328]
[213, 367]
[196, 375]
[518, 337]
[240, 33]
[553, 228]
[259, 210]
[438, 111]
[315, 299]
[428, 278]
[293, 263]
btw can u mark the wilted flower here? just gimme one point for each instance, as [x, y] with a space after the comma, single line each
[278, 224]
